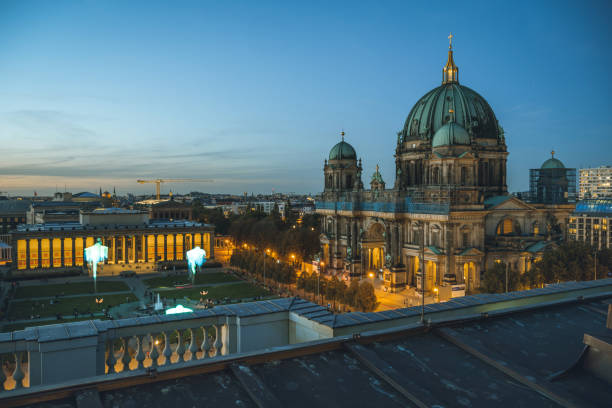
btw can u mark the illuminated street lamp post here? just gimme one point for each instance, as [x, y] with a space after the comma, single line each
[94, 254]
[322, 264]
[264, 262]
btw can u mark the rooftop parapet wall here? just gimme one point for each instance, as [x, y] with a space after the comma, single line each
[71, 351]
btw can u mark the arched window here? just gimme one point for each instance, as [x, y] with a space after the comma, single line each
[507, 227]
[349, 181]
[463, 176]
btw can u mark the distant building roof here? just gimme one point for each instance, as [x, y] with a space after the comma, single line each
[86, 194]
[595, 206]
[14, 206]
[75, 226]
[116, 211]
[496, 200]
[55, 204]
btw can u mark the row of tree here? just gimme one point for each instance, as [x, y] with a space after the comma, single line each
[571, 261]
[255, 228]
[359, 295]
[253, 262]
[356, 295]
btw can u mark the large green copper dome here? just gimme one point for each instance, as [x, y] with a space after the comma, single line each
[470, 110]
[449, 135]
[342, 151]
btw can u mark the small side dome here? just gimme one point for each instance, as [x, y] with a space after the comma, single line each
[342, 151]
[553, 163]
[450, 134]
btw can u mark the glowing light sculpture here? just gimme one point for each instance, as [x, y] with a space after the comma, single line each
[195, 259]
[94, 254]
[178, 309]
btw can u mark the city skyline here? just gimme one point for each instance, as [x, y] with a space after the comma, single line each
[254, 95]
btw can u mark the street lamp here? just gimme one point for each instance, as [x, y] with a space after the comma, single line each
[264, 262]
[321, 265]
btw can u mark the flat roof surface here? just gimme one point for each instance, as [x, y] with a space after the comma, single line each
[69, 226]
[446, 367]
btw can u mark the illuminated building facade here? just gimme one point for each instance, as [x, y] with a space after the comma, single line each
[448, 216]
[590, 223]
[595, 182]
[135, 242]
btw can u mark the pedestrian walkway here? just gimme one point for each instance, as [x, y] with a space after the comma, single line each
[31, 299]
[200, 285]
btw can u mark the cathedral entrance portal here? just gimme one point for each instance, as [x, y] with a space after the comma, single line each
[469, 273]
[374, 249]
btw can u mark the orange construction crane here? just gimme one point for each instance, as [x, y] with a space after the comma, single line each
[159, 181]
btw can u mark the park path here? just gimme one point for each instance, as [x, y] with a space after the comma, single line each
[30, 299]
[137, 287]
[199, 285]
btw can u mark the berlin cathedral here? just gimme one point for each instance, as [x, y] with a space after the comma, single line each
[448, 215]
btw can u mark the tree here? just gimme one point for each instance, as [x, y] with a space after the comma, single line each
[495, 279]
[366, 298]
[350, 294]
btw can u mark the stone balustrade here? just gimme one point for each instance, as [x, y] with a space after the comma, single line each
[66, 352]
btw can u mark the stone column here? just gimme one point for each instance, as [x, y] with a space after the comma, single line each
[134, 256]
[51, 252]
[174, 247]
[145, 247]
[124, 249]
[28, 264]
[74, 251]
[63, 259]
[211, 235]
[39, 252]
[165, 247]
[155, 247]
[114, 251]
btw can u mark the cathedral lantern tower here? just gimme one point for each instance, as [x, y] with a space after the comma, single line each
[342, 172]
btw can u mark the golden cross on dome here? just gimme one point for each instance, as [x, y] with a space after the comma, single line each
[342, 134]
[552, 153]
[450, 40]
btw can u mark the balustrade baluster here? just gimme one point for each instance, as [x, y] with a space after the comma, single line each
[3, 376]
[153, 354]
[125, 356]
[140, 356]
[225, 340]
[218, 343]
[167, 350]
[180, 347]
[193, 348]
[18, 374]
[111, 360]
[205, 344]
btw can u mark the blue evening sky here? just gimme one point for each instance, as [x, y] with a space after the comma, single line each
[253, 94]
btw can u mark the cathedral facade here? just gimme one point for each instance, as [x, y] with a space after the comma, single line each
[448, 215]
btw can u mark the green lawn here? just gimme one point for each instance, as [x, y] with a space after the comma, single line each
[74, 288]
[237, 291]
[23, 309]
[201, 279]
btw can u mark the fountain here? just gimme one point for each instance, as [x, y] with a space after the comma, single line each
[158, 304]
